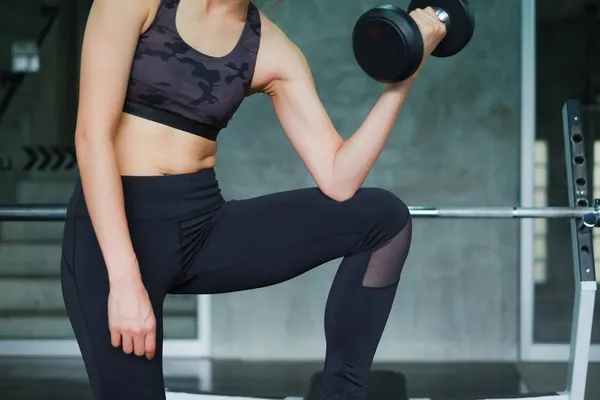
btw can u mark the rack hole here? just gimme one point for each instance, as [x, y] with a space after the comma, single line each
[577, 138]
[582, 203]
[580, 181]
[579, 160]
[585, 249]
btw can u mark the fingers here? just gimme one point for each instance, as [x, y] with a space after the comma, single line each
[429, 13]
[428, 18]
[115, 338]
[150, 345]
[127, 343]
[432, 29]
[141, 342]
[139, 346]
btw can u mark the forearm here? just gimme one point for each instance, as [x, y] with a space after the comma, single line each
[103, 193]
[355, 158]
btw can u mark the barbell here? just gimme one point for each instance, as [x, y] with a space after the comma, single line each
[589, 215]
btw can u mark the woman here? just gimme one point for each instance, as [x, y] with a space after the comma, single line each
[159, 79]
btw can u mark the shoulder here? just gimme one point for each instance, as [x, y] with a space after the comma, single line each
[277, 45]
[139, 12]
[279, 58]
[137, 6]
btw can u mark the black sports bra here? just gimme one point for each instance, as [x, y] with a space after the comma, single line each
[176, 85]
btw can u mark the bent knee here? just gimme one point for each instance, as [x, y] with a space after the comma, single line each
[387, 210]
[390, 239]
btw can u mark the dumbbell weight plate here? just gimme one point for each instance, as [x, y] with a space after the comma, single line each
[461, 28]
[387, 44]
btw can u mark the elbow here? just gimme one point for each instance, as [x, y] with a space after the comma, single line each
[88, 140]
[82, 140]
[339, 193]
[337, 188]
[84, 146]
[87, 136]
[92, 146]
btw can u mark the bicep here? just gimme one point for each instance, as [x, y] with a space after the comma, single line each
[303, 116]
[112, 31]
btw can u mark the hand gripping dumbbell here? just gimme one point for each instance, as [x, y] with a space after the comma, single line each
[388, 44]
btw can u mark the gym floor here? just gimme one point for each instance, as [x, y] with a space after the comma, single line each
[49, 379]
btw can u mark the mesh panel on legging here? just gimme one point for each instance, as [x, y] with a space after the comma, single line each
[386, 263]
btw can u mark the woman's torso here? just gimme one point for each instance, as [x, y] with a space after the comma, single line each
[145, 147]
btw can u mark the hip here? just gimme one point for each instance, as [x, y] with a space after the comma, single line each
[164, 215]
[160, 197]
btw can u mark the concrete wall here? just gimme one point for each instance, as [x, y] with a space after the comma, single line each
[456, 144]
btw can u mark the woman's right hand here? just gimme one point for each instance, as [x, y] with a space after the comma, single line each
[432, 29]
[131, 319]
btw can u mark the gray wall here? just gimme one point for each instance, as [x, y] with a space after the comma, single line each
[456, 144]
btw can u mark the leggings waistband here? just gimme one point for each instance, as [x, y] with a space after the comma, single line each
[162, 196]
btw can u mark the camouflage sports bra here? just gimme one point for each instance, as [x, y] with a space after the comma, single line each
[176, 85]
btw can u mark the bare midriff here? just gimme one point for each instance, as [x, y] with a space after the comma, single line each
[146, 148]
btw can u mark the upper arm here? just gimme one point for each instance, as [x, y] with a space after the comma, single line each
[111, 35]
[300, 111]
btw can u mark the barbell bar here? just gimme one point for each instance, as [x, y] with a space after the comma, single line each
[501, 212]
[58, 213]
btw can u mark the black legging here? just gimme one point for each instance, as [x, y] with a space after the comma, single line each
[188, 240]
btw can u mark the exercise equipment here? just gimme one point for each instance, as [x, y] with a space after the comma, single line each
[388, 44]
[589, 215]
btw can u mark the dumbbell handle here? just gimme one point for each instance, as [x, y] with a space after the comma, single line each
[442, 15]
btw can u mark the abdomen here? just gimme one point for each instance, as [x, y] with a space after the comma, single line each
[145, 147]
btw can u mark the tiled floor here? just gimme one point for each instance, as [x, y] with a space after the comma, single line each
[65, 379]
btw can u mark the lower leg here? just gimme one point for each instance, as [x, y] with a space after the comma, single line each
[357, 311]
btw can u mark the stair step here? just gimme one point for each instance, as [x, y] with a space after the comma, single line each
[44, 191]
[44, 294]
[26, 231]
[25, 259]
[57, 326]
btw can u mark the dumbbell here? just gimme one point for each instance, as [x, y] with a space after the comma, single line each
[388, 44]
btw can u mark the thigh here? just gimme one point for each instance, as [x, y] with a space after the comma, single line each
[113, 374]
[270, 239]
